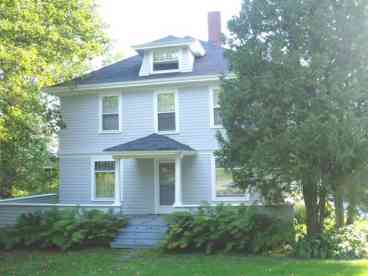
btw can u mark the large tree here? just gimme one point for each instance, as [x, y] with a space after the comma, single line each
[296, 112]
[41, 43]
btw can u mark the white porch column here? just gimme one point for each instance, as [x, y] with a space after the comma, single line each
[178, 185]
[117, 199]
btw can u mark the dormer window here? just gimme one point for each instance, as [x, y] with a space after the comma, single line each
[165, 60]
[169, 55]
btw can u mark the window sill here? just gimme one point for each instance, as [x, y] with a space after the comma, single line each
[109, 132]
[217, 127]
[232, 199]
[103, 199]
[168, 132]
[165, 71]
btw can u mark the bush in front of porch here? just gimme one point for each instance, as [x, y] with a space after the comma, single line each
[225, 228]
[62, 229]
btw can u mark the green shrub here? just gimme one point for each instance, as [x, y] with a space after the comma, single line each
[300, 213]
[225, 228]
[346, 243]
[64, 229]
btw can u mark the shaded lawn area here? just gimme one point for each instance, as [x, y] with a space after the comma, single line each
[102, 261]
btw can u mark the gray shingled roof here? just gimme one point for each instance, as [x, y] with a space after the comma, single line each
[213, 62]
[153, 142]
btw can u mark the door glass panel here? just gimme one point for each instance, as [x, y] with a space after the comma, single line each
[167, 183]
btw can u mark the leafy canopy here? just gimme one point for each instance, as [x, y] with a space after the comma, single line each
[296, 113]
[41, 43]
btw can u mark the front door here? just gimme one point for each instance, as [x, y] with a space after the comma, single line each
[165, 189]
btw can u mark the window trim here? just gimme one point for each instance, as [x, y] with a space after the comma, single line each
[245, 198]
[93, 179]
[155, 110]
[100, 113]
[180, 57]
[212, 107]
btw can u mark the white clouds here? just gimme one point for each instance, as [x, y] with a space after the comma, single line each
[138, 21]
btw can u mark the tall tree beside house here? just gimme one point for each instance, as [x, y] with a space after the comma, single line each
[111, 56]
[41, 43]
[296, 113]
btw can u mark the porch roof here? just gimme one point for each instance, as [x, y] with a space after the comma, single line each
[151, 143]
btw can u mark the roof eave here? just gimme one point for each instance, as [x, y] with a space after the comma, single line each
[150, 154]
[149, 46]
[71, 90]
[193, 44]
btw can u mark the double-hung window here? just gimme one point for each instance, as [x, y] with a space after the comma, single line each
[225, 188]
[110, 114]
[165, 60]
[104, 180]
[166, 115]
[216, 119]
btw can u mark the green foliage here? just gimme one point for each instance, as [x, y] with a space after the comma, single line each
[300, 214]
[225, 228]
[295, 114]
[348, 242]
[41, 43]
[63, 229]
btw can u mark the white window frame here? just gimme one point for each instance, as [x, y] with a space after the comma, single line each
[155, 110]
[244, 198]
[100, 113]
[212, 107]
[180, 57]
[93, 178]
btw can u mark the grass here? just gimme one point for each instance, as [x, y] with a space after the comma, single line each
[102, 261]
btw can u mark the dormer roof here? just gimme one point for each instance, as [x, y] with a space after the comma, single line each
[173, 41]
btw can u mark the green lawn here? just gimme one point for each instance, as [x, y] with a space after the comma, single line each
[144, 263]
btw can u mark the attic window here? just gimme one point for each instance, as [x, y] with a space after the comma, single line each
[165, 60]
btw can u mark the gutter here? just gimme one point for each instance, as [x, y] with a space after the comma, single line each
[68, 90]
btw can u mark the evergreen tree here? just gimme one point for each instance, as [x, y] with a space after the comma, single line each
[296, 112]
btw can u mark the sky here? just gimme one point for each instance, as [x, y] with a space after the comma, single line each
[131, 22]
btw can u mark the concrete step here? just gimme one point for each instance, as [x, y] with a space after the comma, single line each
[141, 235]
[141, 232]
[145, 228]
[129, 245]
[135, 243]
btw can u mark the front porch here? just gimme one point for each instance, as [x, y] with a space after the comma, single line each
[167, 181]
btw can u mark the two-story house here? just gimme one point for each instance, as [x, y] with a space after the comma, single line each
[141, 133]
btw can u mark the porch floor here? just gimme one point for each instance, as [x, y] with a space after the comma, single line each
[144, 231]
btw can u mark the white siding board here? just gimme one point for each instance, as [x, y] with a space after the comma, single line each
[80, 114]
[138, 187]
[80, 140]
[75, 180]
[187, 61]
[196, 177]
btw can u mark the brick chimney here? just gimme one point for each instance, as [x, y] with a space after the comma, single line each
[214, 28]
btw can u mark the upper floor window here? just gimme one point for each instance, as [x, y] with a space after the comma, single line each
[104, 180]
[110, 114]
[216, 119]
[165, 60]
[225, 188]
[166, 114]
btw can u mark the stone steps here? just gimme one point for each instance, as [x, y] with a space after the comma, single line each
[141, 232]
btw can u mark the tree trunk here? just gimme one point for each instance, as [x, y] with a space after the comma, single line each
[339, 206]
[311, 207]
[322, 207]
[352, 208]
[5, 190]
[6, 182]
[352, 214]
